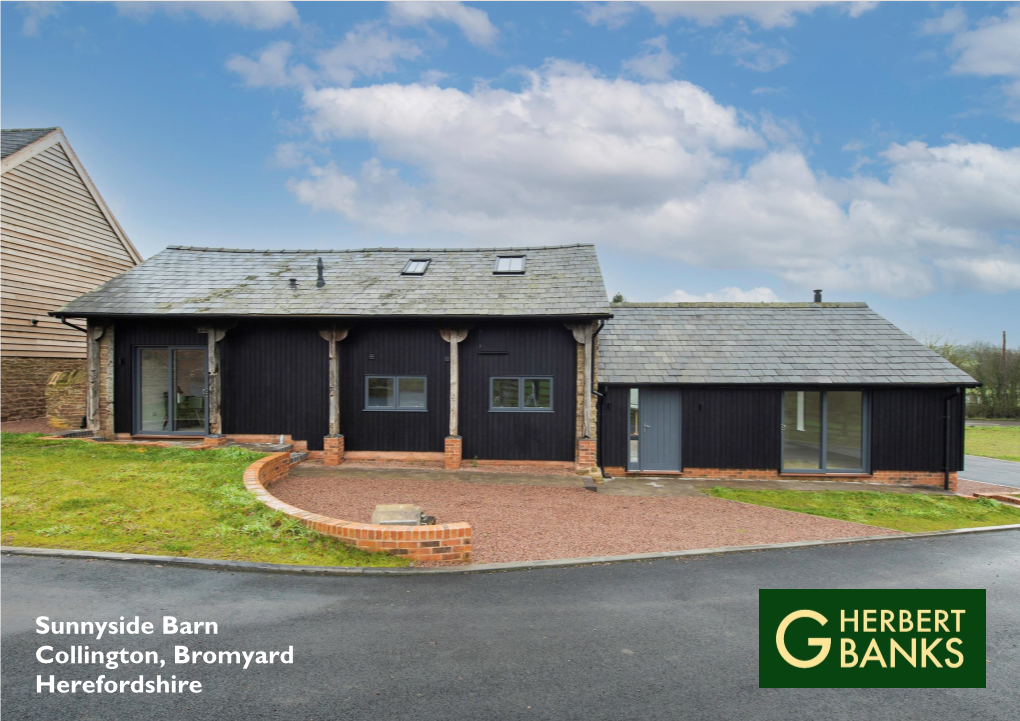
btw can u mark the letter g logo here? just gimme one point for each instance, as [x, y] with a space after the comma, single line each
[824, 643]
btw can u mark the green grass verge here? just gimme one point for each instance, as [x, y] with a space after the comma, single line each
[1002, 442]
[145, 499]
[912, 512]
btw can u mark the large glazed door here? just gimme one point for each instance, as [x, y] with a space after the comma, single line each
[660, 429]
[170, 391]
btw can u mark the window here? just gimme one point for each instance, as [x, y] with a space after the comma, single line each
[520, 394]
[509, 265]
[416, 266]
[395, 393]
[824, 431]
[633, 439]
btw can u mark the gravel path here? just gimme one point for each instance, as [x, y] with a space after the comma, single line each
[527, 523]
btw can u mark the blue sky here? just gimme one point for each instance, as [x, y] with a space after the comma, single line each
[720, 151]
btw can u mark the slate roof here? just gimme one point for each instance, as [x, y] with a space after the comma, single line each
[11, 141]
[741, 343]
[558, 281]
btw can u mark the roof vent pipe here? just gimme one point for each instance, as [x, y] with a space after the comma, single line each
[293, 282]
[818, 295]
[321, 281]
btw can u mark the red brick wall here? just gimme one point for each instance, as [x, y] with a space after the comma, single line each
[586, 455]
[911, 478]
[441, 542]
[453, 452]
[333, 452]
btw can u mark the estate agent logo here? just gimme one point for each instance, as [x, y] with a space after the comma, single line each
[881, 638]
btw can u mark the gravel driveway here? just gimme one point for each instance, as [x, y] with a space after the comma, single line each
[527, 523]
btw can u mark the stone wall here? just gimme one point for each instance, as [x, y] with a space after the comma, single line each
[23, 383]
[65, 399]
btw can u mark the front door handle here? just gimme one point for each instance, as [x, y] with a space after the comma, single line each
[647, 426]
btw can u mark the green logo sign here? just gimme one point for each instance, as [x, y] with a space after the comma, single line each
[880, 638]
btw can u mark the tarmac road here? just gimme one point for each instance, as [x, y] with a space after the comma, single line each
[660, 640]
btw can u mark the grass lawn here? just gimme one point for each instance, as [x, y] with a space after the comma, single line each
[145, 499]
[899, 511]
[1001, 442]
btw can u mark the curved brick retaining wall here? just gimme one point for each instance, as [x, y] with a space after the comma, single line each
[441, 542]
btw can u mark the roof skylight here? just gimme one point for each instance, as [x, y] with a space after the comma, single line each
[509, 265]
[416, 266]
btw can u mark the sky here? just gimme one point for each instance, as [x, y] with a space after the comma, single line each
[736, 151]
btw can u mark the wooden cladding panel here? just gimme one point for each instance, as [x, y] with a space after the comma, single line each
[397, 349]
[908, 429]
[275, 380]
[537, 348]
[56, 245]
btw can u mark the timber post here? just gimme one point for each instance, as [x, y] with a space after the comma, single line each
[92, 401]
[334, 443]
[214, 391]
[454, 445]
[585, 452]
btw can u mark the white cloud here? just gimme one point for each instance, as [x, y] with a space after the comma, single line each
[252, 15]
[652, 169]
[271, 68]
[993, 275]
[368, 50]
[747, 53]
[35, 13]
[951, 21]
[990, 49]
[613, 15]
[764, 14]
[432, 77]
[474, 23]
[726, 295]
[769, 91]
[656, 62]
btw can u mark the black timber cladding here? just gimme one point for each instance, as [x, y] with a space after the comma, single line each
[518, 349]
[740, 428]
[908, 429]
[275, 376]
[731, 427]
[395, 349]
[275, 379]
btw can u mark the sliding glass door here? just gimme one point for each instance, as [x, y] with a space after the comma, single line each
[824, 431]
[170, 391]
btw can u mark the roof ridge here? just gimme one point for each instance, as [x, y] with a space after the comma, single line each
[23, 130]
[516, 248]
[734, 304]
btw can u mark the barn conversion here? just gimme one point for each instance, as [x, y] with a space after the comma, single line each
[507, 355]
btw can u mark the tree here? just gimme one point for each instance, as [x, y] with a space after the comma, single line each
[999, 394]
[618, 298]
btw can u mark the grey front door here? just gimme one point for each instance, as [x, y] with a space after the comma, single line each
[660, 429]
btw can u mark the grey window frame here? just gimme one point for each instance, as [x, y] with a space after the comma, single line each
[823, 469]
[396, 395]
[407, 265]
[497, 271]
[136, 392]
[520, 394]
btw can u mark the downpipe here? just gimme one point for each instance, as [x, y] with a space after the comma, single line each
[947, 423]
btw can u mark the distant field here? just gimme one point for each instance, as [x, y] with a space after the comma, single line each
[1002, 442]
